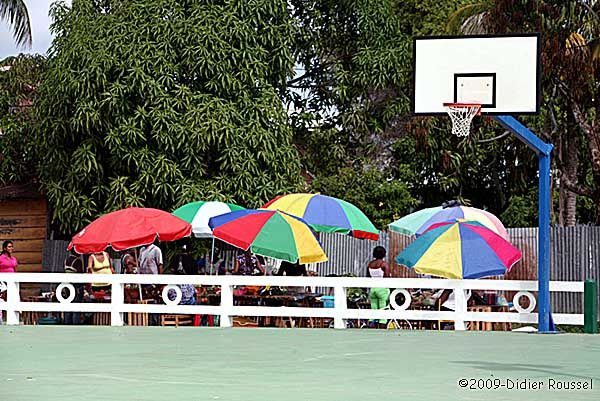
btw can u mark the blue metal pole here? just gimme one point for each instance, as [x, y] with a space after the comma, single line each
[543, 150]
[544, 320]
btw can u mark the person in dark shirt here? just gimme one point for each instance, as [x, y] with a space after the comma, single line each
[184, 263]
[74, 264]
[291, 269]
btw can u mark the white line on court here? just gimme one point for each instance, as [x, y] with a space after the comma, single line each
[338, 356]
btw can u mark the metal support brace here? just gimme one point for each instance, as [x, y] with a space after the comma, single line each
[543, 150]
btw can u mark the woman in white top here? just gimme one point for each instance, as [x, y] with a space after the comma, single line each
[378, 268]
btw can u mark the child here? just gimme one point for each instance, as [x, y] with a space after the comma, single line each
[377, 268]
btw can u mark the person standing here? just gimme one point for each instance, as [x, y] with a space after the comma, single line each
[247, 264]
[99, 263]
[293, 269]
[128, 262]
[184, 262]
[151, 260]
[8, 263]
[188, 291]
[74, 264]
[377, 268]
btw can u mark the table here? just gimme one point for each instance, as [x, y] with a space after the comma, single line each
[309, 300]
[100, 318]
[32, 317]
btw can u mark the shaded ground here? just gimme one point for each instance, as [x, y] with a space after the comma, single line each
[157, 363]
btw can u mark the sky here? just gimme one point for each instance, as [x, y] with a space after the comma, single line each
[40, 25]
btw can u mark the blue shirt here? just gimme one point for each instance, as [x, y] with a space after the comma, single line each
[188, 294]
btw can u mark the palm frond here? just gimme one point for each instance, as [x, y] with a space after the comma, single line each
[16, 14]
[576, 43]
[595, 50]
[469, 19]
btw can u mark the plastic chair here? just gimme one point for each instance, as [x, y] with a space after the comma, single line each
[440, 322]
[176, 320]
[138, 319]
[480, 326]
[101, 319]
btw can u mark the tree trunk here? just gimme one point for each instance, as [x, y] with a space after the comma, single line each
[592, 133]
[562, 187]
[571, 162]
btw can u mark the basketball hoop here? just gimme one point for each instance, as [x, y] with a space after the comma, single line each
[461, 115]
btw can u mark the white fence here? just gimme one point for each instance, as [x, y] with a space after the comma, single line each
[227, 310]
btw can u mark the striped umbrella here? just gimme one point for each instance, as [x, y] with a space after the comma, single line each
[463, 249]
[418, 222]
[198, 214]
[269, 233]
[326, 214]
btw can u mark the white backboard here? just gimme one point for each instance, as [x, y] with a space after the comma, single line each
[499, 72]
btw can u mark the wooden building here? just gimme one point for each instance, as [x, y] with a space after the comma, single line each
[24, 220]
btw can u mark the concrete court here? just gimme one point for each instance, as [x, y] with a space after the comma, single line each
[60, 363]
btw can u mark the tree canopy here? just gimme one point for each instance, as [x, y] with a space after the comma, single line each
[159, 103]
[19, 78]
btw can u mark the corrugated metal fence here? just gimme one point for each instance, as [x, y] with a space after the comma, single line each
[575, 257]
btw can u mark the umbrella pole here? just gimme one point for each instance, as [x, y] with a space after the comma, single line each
[212, 255]
[135, 250]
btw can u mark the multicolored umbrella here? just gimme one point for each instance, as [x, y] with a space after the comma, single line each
[128, 228]
[198, 214]
[417, 223]
[464, 249]
[326, 214]
[269, 233]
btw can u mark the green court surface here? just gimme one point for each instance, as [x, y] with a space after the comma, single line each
[157, 363]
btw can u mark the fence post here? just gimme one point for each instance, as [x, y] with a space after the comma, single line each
[339, 298]
[12, 298]
[226, 305]
[117, 300]
[590, 307]
[460, 307]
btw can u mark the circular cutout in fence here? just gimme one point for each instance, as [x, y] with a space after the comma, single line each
[405, 294]
[59, 293]
[517, 299]
[165, 294]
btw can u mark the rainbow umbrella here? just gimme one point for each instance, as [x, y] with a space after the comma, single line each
[417, 223]
[269, 233]
[463, 249]
[198, 214]
[326, 214]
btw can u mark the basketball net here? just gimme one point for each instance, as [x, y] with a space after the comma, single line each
[461, 115]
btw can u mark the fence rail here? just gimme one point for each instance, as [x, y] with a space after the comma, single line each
[340, 313]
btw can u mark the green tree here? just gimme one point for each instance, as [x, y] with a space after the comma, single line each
[382, 200]
[16, 14]
[19, 78]
[351, 110]
[351, 102]
[570, 53]
[162, 102]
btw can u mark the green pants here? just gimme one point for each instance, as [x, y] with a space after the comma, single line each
[379, 299]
